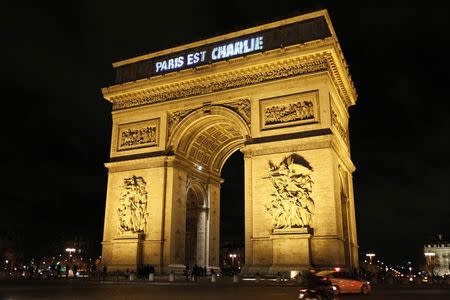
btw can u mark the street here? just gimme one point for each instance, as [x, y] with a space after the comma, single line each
[78, 289]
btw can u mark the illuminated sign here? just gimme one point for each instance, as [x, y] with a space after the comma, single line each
[229, 50]
[264, 40]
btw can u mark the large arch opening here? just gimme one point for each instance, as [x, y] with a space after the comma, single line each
[232, 236]
[205, 141]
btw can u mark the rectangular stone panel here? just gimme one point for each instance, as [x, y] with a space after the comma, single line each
[290, 110]
[138, 135]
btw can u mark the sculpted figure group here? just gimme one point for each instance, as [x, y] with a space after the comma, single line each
[291, 204]
[133, 205]
[140, 136]
[289, 112]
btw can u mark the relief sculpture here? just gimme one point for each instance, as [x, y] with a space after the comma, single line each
[242, 107]
[137, 137]
[291, 204]
[176, 117]
[338, 126]
[301, 110]
[133, 205]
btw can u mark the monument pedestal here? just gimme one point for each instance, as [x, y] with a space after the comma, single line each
[291, 249]
[127, 252]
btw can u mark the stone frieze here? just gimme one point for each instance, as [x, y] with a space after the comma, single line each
[137, 135]
[285, 113]
[288, 110]
[337, 124]
[219, 82]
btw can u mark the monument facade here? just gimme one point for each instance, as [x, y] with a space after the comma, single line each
[278, 92]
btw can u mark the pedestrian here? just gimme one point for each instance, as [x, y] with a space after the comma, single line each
[204, 271]
[75, 269]
[58, 270]
[67, 271]
[194, 273]
[186, 272]
[104, 272]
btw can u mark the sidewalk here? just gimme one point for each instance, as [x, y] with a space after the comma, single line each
[181, 280]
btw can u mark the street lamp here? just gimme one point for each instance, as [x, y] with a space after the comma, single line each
[70, 250]
[232, 256]
[370, 255]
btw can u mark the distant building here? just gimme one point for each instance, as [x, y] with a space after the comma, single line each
[437, 256]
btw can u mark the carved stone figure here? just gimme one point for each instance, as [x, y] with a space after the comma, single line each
[242, 107]
[176, 117]
[133, 205]
[291, 205]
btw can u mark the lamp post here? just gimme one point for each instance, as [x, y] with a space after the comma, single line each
[370, 255]
[232, 256]
[70, 250]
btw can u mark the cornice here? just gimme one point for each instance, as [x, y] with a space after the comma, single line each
[137, 164]
[324, 61]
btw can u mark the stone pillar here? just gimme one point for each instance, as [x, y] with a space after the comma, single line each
[214, 225]
[202, 236]
[248, 216]
[292, 224]
[125, 249]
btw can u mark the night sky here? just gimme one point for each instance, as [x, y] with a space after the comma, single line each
[57, 127]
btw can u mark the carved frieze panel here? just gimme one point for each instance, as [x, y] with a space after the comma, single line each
[132, 209]
[336, 123]
[214, 83]
[291, 205]
[138, 135]
[289, 110]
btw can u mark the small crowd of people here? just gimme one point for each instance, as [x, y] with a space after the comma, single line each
[195, 272]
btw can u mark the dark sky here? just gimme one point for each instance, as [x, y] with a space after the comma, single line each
[56, 131]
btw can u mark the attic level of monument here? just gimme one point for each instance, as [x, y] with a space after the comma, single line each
[241, 43]
[280, 94]
[298, 46]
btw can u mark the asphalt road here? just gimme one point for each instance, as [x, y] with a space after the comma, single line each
[73, 289]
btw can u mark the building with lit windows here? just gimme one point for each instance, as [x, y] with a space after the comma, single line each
[437, 256]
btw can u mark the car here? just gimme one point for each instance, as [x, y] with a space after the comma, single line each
[345, 282]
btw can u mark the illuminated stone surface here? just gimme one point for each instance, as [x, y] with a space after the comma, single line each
[286, 109]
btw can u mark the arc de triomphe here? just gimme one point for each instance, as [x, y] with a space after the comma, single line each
[279, 93]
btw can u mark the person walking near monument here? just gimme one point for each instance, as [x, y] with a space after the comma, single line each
[186, 272]
[104, 272]
[194, 273]
[75, 270]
